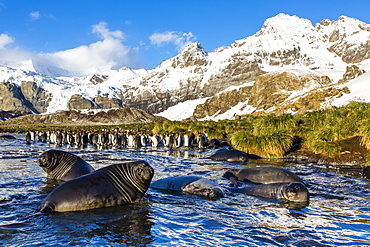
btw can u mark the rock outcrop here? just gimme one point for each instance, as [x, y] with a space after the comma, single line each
[346, 38]
[11, 99]
[351, 73]
[37, 96]
[77, 102]
[105, 102]
[273, 89]
[222, 102]
[96, 79]
[269, 91]
[113, 116]
[6, 115]
[25, 99]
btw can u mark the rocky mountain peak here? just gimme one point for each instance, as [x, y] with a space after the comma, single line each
[192, 55]
[347, 38]
[194, 47]
[284, 23]
[346, 26]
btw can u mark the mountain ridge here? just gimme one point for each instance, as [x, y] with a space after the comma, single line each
[285, 48]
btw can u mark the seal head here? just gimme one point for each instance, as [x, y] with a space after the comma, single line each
[63, 165]
[296, 192]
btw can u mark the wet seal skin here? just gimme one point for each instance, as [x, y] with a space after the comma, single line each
[113, 185]
[366, 172]
[192, 185]
[63, 166]
[262, 175]
[286, 192]
[231, 155]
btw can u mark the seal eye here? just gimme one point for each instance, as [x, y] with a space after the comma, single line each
[139, 171]
[143, 172]
[42, 160]
[290, 190]
[293, 189]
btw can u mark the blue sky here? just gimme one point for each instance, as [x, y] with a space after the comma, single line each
[140, 34]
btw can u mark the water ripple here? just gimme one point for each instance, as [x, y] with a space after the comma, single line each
[338, 213]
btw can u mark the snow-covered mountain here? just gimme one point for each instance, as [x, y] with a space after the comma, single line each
[289, 65]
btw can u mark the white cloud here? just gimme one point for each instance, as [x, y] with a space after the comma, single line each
[13, 57]
[104, 32]
[98, 57]
[180, 39]
[35, 15]
[5, 40]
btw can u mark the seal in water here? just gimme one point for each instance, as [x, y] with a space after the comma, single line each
[214, 143]
[7, 137]
[231, 155]
[262, 175]
[113, 185]
[366, 172]
[287, 192]
[63, 165]
[190, 185]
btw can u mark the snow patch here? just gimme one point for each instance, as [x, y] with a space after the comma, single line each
[182, 110]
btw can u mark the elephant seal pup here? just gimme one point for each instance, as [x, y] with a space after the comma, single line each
[366, 172]
[286, 192]
[113, 185]
[7, 137]
[63, 165]
[214, 143]
[231, 155]
[262, 175]
[190, 185]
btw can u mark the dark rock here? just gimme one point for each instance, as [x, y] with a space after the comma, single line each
[352, 72]
[77, 102]
[113, 116]
[105, 102]
[25, 99]
[97, 79]
[12, 99]
[36, 96]
[123, 115]
[352, 145]
[5, 115]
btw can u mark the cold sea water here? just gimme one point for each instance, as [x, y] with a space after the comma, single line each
[338, 213]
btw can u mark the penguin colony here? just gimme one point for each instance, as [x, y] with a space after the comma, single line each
[118, 139]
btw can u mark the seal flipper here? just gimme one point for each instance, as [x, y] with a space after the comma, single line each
[46, 208]
[233, 181]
